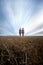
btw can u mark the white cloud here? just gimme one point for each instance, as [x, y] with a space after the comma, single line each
[34, 22]
[18, 14]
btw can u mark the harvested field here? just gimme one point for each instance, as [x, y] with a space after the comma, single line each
[15, 50]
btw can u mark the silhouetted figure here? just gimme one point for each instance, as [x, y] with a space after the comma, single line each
[22, 31]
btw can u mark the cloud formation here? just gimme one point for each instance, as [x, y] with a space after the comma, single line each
[21, 13]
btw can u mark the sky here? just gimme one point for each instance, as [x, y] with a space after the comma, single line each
[15, 14]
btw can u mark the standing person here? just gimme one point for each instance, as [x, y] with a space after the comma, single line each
[20, 31]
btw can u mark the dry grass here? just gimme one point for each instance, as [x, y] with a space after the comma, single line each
[28, 48]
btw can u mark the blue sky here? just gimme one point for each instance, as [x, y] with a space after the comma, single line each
[21, 13]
